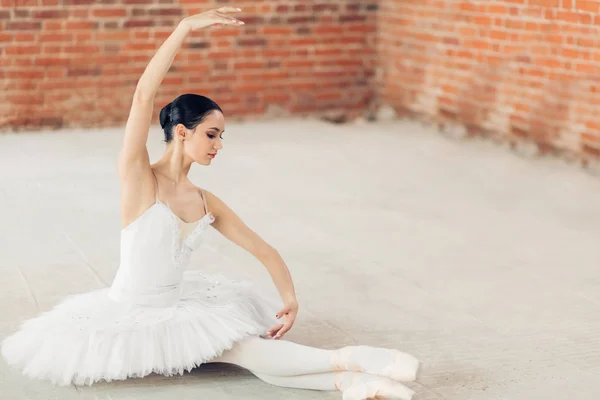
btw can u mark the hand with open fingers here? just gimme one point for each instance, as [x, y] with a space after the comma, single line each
[217, 17]
[288, 313]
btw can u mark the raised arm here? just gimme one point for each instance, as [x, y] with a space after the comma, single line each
[133, 153]
[134, 150]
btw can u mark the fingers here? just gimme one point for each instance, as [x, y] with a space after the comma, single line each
[284, 330]
[229, 9]
[229, 20]
[271, 332]
[221, 13]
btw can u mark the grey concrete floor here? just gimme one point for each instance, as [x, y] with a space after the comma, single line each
[483, 264]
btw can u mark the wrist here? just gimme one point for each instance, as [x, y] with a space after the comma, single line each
[184, 26]
[290, 300]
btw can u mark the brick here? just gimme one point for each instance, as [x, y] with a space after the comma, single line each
[165, 11]
[81, 49]
[24, 37]
[568, 16]
[225, 32]
[200, 45]
[77, 2]
[252, 42]
[545, 3]
[143, 35]
[55, 37]
[482, 20]
[51, 62]
[587, 5]
[25, 99]
[23, 62]
[19, 3]
[276, 30]
[139, 46]
[321, 7]
[301, 19]
[24, 74]
[328, 30]
[77, 72]
[138, 23]
[48, 14]
[23, 26]
[20, 13]
[81, 25]
[113, 36]
[109, 12]
[22, 49]
[352, 18]
[248, 65]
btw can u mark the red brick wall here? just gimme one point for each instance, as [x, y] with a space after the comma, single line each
[71, 63]
[521, 70]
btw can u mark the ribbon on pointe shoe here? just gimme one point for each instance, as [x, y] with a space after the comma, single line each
[403, 368]
[378, 390]
[341, 361]
[355, 387]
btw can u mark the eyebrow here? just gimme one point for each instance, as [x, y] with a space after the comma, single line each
[217, 129]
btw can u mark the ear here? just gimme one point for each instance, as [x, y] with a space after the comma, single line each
[180, 131]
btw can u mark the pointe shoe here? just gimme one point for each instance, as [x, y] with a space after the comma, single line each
[378, 390]
[371, 389]
[403, 368]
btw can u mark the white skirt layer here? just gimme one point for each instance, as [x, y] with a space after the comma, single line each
[88, 337]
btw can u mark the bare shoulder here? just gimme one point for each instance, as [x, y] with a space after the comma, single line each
[215, 204]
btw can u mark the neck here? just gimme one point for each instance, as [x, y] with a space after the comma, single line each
[174, 165]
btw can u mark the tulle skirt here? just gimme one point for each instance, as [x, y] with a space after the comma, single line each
[88, 337]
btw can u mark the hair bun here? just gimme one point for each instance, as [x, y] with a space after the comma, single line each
[165, 115]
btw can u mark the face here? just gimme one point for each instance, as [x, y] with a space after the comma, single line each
[205, 140]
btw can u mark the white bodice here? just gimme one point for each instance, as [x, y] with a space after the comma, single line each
[154, 255]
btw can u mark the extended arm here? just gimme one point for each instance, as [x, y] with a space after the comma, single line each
[233, 228]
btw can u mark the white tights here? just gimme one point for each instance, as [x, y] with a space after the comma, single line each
[287, 364]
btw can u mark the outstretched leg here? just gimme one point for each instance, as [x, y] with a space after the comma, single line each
[277, 357]
[353, 385]
[284, 358]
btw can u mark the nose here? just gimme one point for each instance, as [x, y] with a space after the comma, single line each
[219, 144]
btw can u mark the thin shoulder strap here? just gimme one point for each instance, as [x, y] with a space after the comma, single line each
[204, 199]
[156, 188]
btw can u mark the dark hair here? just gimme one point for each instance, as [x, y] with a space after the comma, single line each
[187, 109]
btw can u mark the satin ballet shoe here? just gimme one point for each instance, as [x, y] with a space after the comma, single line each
[403, 368]
[378, 390]
[358, 389]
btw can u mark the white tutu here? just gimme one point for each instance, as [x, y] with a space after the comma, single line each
[89, 337]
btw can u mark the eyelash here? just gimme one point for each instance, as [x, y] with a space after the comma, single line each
[213, 136]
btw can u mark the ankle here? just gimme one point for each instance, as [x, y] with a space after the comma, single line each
[343, 380]
[341, 360]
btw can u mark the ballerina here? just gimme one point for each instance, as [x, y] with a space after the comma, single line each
[156, 317]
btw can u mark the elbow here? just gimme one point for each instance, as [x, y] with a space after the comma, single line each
[142, 95]
[267, 253]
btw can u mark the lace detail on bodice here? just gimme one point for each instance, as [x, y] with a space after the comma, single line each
[182, 249]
